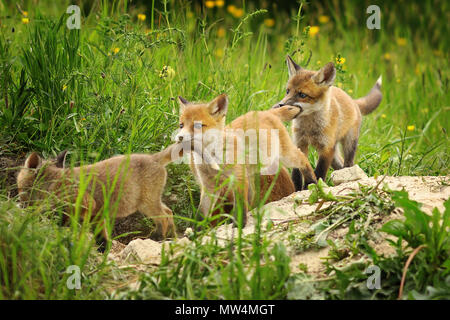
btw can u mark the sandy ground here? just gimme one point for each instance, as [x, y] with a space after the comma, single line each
[431, 191]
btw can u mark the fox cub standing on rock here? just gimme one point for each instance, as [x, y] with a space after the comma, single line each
[329, 115]
[135, 183]
[204, 123]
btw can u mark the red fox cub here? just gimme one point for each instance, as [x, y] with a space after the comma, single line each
[204, 124]
[329, 115]
[135, 183]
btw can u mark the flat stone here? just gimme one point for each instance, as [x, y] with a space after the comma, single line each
[347, 175]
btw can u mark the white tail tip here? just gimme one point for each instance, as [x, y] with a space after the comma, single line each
[379, 81]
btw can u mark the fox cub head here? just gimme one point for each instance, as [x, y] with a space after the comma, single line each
[202, 121]
[35, 172]
[307, 89]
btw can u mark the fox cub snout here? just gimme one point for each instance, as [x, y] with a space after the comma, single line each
[134, 182]
[328, 116]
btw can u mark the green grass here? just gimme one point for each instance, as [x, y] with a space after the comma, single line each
[72, 89]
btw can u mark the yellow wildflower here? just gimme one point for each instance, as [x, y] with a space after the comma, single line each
[383, 116]
[313, 31]
[269, 22]
[401, 42]
[410, 128]
[64, 88]
[219, 52]
[398, 80]
[167, 72]
[141, 16]
[25, 20]
[340, 60]
[116, 50]
[339, 84]
[231, 8]
[25, 13]
[210, 4]
[350, 91]
[220, 3]
[318, 62]
[387, 56]
[221, 32]
[239, 12]
[83, 119]
[324, 19]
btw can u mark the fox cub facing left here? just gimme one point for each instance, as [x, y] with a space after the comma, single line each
[329, 116]
[134, 183]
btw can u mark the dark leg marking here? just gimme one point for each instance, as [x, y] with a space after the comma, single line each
[297, 179]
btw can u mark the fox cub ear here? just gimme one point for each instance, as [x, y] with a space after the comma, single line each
[325, 76]
[33, 161]
[61, 159]
[219, 106]
[292, 66]
[183, 103]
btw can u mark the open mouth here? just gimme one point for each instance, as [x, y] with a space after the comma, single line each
[299, 112]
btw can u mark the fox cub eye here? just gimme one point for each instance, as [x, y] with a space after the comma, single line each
[287, 91]
[302, 95]
[181, 125]
[198, 125]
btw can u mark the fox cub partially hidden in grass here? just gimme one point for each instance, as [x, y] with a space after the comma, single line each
[205, 123]
[329, 115]
[134, 183]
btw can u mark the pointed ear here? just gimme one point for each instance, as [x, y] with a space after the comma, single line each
[219, 106]
[61, 159]
[326, 75]
[183, 103]
[292, 66]
[33, 161]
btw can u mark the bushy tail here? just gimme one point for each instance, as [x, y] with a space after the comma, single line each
[371, 101]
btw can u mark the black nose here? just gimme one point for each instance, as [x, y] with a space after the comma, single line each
[278, 105]
[180, 138]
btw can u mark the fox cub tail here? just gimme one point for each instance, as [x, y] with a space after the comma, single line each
[371, 101]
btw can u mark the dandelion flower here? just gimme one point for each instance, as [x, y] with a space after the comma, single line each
[313, 31]
[142, 17]
[350, 91]
[387, 56]
[339, 84]
[210, 4]
[64, 88]
[401, 42]
[410, 127]
[220, 3]
[340, 60]
[25, 20]
[383, 116]
[318, 62]
[269, 22]
[239, 12]
[25, 13]
[221, 32]
[324, 19]
[116, 50]
[398, 80]
[231, 8]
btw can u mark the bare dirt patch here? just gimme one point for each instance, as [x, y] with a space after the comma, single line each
[288, 214]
